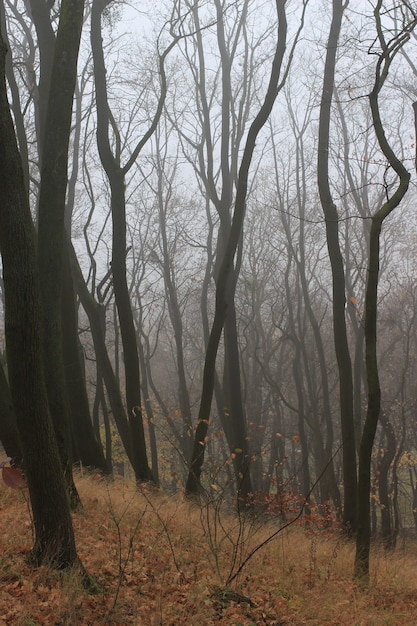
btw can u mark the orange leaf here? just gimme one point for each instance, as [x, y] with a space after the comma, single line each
[12, 477]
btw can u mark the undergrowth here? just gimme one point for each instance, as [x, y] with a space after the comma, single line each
[159, 560]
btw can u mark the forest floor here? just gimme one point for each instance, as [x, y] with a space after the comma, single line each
[158, 560]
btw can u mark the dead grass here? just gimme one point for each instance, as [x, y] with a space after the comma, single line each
[160, 561]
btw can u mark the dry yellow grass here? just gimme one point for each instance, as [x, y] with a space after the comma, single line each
[160, 561]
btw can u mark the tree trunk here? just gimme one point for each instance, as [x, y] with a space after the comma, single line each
[51, 222]
[54, 538]
[363, 538]
[237, 439]
[338, 277]
[175, 316]
[116, 177]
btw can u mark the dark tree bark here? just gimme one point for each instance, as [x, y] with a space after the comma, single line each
[9, 434]
[80, 421]
[232, 125]
[387, 54]
[338, 276]
[54, 538]
[41, 16]
[15, 102]
[51, 238]
[233, 415]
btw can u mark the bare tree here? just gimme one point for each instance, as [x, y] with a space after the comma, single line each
[110, 157]
[386, 54]
[338, 275]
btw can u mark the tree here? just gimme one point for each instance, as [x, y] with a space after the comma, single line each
[51, 230]
[386, 55]
[338, 275]
[96, 314]
[116, 173]
[54, 537]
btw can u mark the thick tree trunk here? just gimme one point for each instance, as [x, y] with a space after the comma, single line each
[54, 538]
[51, 222]
[41, 16]
[15, 107]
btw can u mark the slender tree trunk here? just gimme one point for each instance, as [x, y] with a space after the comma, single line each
[338, 276]
[238, 440]
[149, 415]
[363, 538]
[116, 176]
[176, 320]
